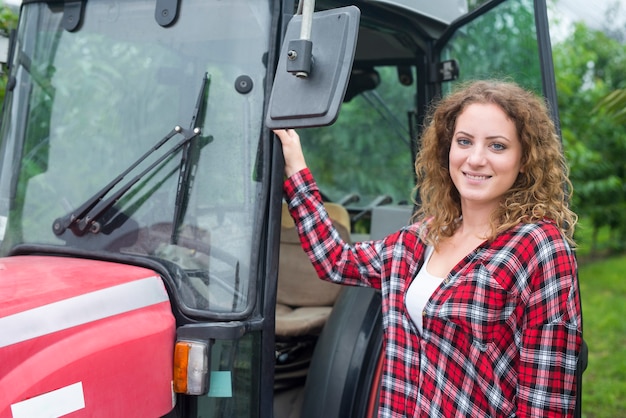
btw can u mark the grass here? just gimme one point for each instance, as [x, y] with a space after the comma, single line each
[603, 292]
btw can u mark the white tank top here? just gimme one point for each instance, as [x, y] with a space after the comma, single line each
[420, 291]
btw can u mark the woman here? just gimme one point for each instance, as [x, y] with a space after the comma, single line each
[481, 313]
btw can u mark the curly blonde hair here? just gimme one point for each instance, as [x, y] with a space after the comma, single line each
[542, 190]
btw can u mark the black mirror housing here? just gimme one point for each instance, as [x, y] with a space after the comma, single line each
[314, 99]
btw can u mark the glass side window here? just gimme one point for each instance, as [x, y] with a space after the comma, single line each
[89, 103]
[501, 44]
[367, 153]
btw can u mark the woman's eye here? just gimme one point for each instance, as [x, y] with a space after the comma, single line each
[463, 142]
[498, 147]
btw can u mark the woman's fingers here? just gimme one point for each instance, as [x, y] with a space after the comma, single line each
[286, 135]
[292, 150]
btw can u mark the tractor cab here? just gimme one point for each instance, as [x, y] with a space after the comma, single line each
[140, 184]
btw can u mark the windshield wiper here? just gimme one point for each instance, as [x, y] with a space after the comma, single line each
[85, 218]
[188, 167]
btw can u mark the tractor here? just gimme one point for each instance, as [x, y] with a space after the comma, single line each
[147, 267]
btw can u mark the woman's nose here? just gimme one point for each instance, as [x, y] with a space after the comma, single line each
[477, 155]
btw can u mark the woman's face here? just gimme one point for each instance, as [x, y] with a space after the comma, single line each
[485, 156]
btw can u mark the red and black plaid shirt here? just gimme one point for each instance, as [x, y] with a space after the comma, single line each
[501, 334]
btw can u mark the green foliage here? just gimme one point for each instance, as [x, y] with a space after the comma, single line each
[8, 19]
[8, 22]
[589, 66]
[614, 105]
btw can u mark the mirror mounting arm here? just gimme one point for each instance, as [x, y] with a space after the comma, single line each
[299, 54]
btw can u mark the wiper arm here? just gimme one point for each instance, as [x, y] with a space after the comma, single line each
[84, 219]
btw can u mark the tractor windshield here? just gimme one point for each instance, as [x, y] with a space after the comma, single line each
[93, 92]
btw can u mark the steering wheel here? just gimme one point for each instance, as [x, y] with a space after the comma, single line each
[212, 287]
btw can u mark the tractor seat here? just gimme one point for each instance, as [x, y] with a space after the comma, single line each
[304, 302]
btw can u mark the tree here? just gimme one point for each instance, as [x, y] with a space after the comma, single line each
[8, 22]
[613, 105]
[589, 65]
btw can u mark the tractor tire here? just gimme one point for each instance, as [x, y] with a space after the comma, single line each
[344, 375]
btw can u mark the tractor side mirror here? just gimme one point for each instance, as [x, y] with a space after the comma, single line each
[312, 74]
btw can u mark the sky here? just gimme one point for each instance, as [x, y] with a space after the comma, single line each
[592, 12]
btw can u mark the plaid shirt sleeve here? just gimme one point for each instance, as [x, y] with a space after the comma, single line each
[334, 260]
[551, 331]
